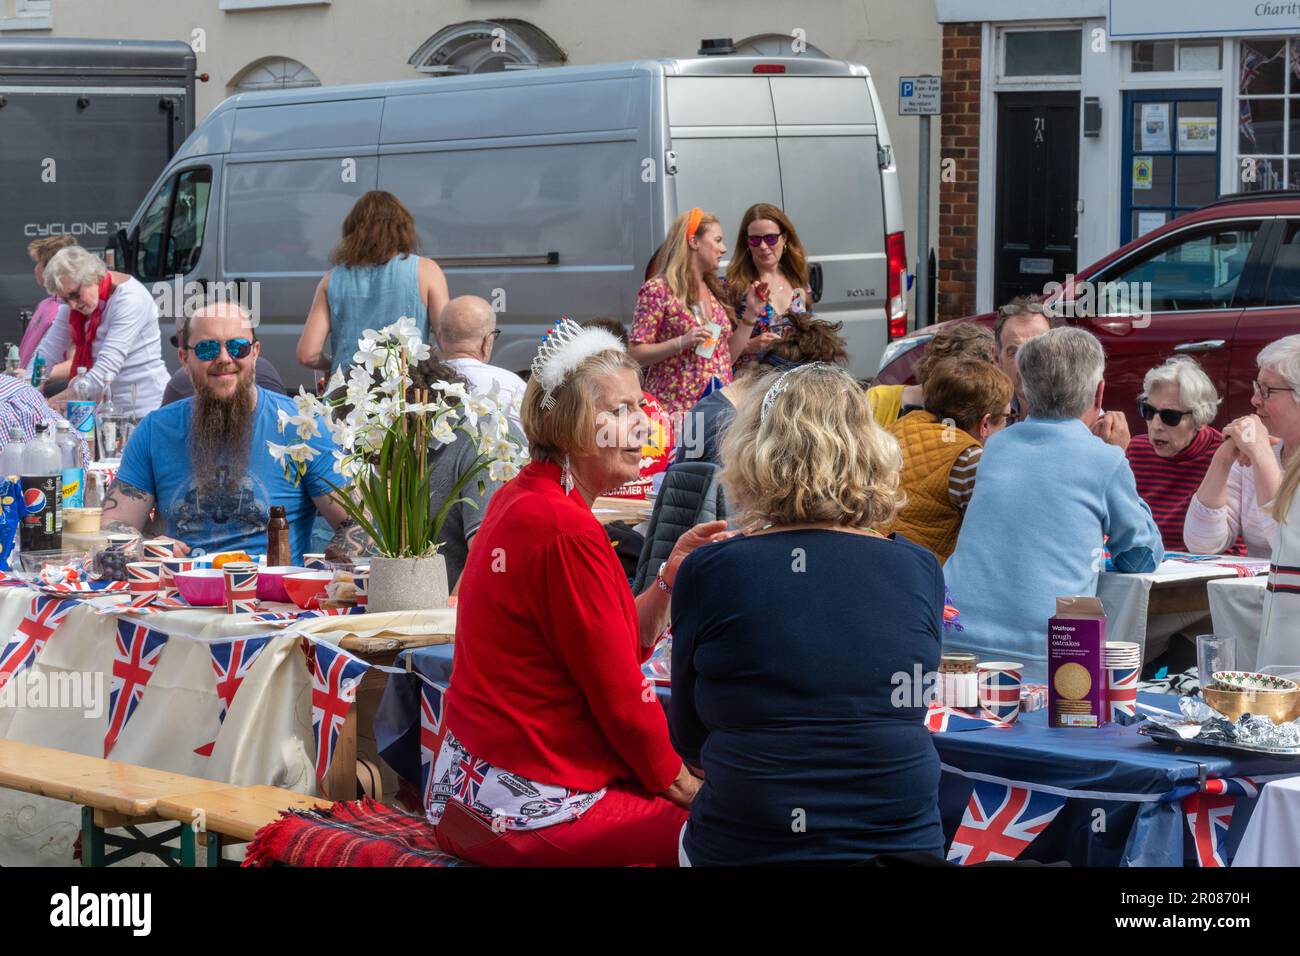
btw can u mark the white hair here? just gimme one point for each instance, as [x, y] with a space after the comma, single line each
[1282, 356]
[75, 263]
[1195, 390]
[1060, 371]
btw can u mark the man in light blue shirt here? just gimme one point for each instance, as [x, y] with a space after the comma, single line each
[1053, 495]
[204, 460]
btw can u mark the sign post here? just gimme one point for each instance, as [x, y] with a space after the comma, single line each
[919, 96]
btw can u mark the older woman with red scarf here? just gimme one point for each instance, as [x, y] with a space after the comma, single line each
[111, 322]
[556, 749]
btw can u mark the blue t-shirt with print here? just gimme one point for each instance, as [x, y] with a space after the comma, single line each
[231, 512]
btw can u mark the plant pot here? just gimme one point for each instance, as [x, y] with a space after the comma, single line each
[407, 584]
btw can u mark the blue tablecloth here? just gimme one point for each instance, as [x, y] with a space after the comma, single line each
[1124, 791]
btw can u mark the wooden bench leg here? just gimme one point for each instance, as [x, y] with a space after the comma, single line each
[92, 839]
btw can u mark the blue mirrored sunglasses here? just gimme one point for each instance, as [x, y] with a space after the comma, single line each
[209, 349]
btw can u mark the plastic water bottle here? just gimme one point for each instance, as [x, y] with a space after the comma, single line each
[42, 481]
[112, 430]
[11, 456]
[74, 476]
[81, 409]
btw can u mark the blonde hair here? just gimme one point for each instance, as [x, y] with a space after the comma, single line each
[673, 263]
[818, 455]
[43, 250]
[570, 424]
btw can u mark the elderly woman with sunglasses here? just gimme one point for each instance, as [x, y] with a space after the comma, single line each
[1237, 493]
[1178, 402]
[111, 323]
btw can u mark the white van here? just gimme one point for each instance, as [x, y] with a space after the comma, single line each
[546, 191]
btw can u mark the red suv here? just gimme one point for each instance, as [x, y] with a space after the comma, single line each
[1218, 284]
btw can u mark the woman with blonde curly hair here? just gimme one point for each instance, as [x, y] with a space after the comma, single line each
[783, 692]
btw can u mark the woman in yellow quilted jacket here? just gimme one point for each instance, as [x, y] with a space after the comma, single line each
[966, 401]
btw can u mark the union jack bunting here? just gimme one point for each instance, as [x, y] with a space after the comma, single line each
[335, 677]
[946, 720]
[1000, 821]
[273, 616]
[1209, 816]
[231, 661]
[431, 734]
[134, 659]
[43, 617]
[1235, 786]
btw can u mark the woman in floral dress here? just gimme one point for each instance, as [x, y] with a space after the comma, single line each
[683, 331]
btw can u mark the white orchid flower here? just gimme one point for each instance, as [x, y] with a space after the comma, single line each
[452, 390]
[502, 470]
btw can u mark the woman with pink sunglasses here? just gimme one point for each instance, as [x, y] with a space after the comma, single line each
[768, 277]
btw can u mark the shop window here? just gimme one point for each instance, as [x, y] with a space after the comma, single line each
[1172, 156]
[1170, 56]
[1042, 53]
[1268, 123]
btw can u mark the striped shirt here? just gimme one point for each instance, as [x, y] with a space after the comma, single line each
[1167, 484]
[961, 480]
[21, 407]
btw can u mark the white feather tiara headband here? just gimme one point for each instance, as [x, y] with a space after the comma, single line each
[563, 349]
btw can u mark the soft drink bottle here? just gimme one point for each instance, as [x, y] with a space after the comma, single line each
[74, 476]
[11, 456]
[110, 424]
[42, 482]
[81, 409]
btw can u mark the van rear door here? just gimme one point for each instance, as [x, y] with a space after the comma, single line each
[724, 138]
[826, 138]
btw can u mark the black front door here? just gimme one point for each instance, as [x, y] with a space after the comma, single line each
[1038, 188]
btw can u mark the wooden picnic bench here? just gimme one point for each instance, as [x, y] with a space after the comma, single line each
[123, 796]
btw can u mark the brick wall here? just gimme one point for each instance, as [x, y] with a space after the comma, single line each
[959, 140]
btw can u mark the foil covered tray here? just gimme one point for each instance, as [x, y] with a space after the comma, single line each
[1167, 737]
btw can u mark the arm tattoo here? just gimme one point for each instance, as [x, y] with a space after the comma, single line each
[119, 527]
[127, 490]
[350, 541]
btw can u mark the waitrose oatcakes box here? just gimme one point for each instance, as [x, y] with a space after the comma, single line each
[1076, 674]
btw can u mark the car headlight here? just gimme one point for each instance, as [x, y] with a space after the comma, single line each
[899, 347]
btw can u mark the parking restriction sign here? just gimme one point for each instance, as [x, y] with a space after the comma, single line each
[918, 95]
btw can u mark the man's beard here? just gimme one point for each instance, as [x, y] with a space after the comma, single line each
[221, 432]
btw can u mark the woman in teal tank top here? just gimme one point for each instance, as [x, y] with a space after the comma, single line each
[377, 278]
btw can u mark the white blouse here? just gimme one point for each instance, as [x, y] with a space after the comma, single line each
[1213, 530]
[127, 346]
[1279, 639]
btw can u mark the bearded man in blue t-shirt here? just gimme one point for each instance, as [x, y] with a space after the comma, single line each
[203, 461]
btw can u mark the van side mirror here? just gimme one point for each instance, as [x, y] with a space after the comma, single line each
[815, 281]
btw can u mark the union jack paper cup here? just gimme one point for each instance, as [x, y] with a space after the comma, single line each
[315, 561]
[173, 566]
[159, 548]
[144, 577]
[361, 579]
[241, 586]
[999, 683]
[1121, 691]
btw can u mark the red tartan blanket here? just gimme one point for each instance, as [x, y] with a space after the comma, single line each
[358, 833]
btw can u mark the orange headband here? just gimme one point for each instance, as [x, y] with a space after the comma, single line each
[693, 221]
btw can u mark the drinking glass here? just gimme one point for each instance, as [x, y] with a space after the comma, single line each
[1214, 653]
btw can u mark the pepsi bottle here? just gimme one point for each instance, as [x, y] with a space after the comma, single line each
[42, 483]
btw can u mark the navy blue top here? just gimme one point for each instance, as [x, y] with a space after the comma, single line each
[786, 648]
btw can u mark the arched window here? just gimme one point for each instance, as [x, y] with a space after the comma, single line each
[274, 73]
[778, 44]
[486, 46]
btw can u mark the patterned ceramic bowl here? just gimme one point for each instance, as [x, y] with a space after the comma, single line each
[1249, 680]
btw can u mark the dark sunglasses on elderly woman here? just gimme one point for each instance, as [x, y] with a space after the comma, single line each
[771, 238]
[1170, 416]
[209, 349]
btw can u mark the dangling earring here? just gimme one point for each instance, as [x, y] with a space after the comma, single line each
[566, 477]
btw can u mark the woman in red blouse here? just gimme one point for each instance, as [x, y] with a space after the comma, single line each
[683, 331]
[556, 749]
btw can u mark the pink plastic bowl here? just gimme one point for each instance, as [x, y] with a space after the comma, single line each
[202, 587]
[307, 588]
[270, 583]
